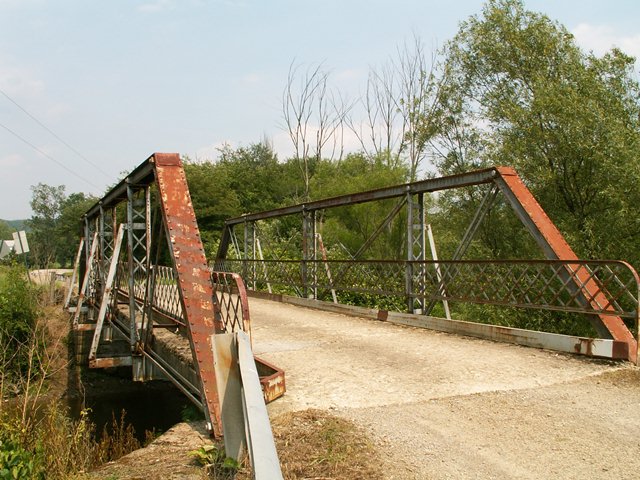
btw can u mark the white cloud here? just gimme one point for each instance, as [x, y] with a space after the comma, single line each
[253, 78]
[11, 161]
[211, 152]
[601, 38]
[18, 81]
[23, 86]
[347, 139]
[155, 6]
[350, 74]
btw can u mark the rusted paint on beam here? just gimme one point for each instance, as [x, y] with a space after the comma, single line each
[110, 362]
[271, 379]
[556, 247]
[194, 283]
[477, 177]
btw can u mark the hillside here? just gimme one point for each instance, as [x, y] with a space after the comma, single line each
[16, 224]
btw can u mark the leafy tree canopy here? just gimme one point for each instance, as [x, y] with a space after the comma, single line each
[55, 224]
[520, 92]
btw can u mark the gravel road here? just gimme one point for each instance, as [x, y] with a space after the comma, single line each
[445, 407]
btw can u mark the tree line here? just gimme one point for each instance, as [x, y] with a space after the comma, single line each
[512, 87]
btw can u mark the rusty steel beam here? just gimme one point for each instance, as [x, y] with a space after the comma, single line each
[272, 380]
[194, 284]
[477, 177]
[553, 244]
[143, 174]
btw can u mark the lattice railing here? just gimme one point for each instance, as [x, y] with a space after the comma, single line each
[166, 297]
[593, 287]
[230, 298]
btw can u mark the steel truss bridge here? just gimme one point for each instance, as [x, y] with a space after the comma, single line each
[606, 292]
[148, 298]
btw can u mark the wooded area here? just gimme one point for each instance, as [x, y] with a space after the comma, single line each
[511, 88]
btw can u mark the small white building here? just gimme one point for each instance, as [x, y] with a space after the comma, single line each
[6, 247]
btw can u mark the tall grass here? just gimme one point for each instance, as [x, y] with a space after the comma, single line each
[37, 437]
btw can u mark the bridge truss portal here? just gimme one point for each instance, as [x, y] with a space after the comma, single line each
[148, 299]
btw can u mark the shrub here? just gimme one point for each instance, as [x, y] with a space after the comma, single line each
[20, 347]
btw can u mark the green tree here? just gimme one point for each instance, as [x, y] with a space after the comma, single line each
[213, 200]
[68, 229]
[351, 226]
[18, 314]
[244, 180]
[259, 180]
[521, 92]
[46, 201]
[55, 224]
[6, 232]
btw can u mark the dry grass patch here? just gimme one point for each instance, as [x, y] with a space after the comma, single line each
[313, 444]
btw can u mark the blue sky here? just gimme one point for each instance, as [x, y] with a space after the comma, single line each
[118, 80]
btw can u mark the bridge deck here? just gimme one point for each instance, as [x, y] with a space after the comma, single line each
[446, 406]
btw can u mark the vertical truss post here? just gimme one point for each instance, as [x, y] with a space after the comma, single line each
[88, 235]
[104, 264]
[131, 267]
[249, 254]
[90, 291]
[415, 273]
[110, 229]
[105, 250]
[138, 238]
[308, 253]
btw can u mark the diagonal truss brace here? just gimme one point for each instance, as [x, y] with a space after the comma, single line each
[106, 296]
[85, 282]
[555, 246]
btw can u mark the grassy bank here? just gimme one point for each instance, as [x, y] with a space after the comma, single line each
[37, 438]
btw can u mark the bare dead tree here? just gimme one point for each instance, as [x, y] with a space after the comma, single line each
[399, 104]
[380, 133]
[313, 117]
[419, 90]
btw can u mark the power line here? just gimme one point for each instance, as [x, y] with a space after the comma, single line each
[62, 165]
[54, 134]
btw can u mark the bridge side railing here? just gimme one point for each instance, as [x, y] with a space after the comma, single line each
[229, 296]
[534, 284]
